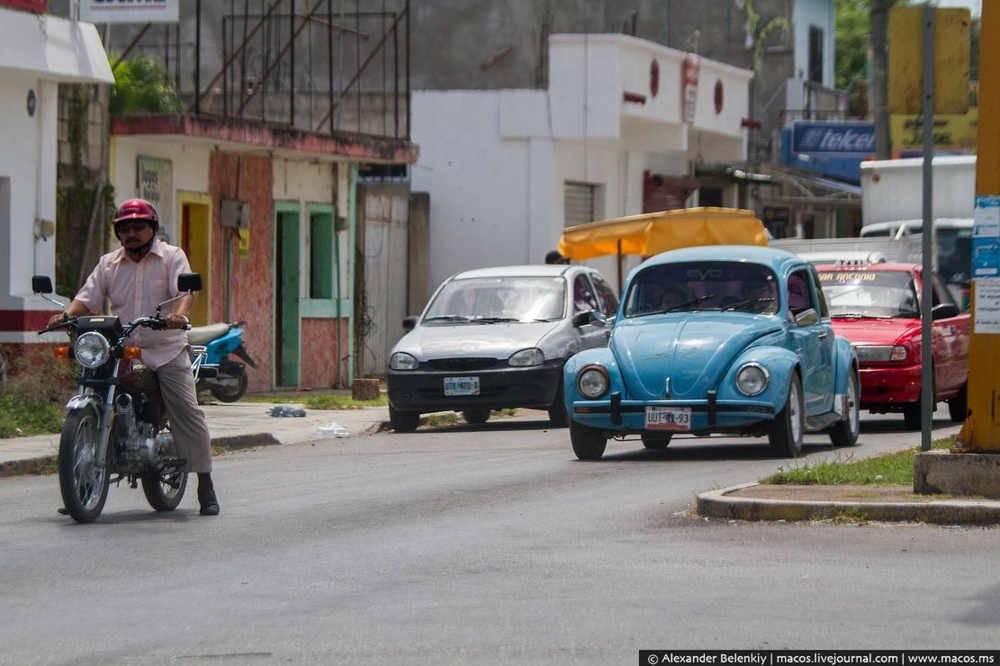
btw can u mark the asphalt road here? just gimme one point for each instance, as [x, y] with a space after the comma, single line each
[477, 545]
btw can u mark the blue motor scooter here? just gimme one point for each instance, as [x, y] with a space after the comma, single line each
[211, 346]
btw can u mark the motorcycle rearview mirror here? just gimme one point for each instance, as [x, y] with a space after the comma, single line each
[186, 284]
[189, 282]
[42, 285]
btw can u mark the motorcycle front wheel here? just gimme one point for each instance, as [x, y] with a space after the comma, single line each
[230, 388]
[82, 482]
[164, 490]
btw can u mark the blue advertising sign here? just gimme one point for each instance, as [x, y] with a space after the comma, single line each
[853, 137]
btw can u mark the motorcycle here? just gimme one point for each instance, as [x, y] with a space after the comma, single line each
[116, 427]
[213, 369]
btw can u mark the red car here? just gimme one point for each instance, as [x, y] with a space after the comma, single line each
[877, 307]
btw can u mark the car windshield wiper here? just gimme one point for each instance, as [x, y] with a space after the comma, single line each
[494, 320]
[450, 317]
[858, 315]
[747, 303]
[684, 304]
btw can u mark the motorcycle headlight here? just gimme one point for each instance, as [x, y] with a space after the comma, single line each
[92, 350]
[593, 382]
[403, 361]
[526, 357]
[752, 379]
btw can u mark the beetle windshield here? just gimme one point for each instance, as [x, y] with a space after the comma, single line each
[713, 285]
[491, 300]
[864, 293]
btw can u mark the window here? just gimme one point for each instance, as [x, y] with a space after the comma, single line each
[816, 54]
[606, 294]
[580, 203]
[322, 265]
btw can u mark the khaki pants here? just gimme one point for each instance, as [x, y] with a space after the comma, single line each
[187, 420]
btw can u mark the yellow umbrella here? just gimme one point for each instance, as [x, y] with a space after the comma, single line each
[652, 233]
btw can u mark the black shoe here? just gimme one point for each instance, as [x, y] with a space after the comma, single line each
[209, 505]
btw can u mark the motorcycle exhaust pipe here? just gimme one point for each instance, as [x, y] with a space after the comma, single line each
[124, 411]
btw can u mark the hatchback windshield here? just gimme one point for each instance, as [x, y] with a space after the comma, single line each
[717, 285]
[878, 294]
[490, 300]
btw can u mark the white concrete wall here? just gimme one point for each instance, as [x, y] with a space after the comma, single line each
[495, 162]
[297, 180]
[28, 164]
[817, 13]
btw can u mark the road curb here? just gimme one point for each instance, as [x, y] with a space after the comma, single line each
[37, 466]
[722, 504]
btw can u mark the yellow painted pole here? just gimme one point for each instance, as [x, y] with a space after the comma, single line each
[981, 430]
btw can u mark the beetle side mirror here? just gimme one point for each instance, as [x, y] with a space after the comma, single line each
[807, 317]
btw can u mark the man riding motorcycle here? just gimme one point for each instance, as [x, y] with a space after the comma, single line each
[135, 278]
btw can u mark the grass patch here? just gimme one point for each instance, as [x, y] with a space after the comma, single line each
[888, 469]
[24, 415]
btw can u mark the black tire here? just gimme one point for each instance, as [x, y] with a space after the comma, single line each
[232, 390]
[164, 490]
[403, 421]
[476, 416]
[558, 418]
[845, 433]
[655, 442]
[588, 443]
[786, 430]
[958, 407]
[913, 414]
[83, 485]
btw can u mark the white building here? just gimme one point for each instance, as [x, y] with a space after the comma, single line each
[37, 53]
[617, 132]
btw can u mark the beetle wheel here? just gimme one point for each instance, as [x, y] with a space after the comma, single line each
[785, 431]
[588, 443]
[845, 433]
[476, 416]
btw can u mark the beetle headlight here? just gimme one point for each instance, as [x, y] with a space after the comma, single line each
[526, 357]
[752, 379]
[403, 361]
[593, 382]
[92, 350]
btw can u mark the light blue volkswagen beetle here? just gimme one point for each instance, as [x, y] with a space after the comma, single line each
[727, 339]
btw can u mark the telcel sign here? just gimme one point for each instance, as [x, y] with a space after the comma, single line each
[810, 138]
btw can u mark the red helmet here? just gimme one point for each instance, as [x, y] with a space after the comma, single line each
[137, 209]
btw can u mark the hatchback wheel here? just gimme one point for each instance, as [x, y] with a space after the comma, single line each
[403, 421]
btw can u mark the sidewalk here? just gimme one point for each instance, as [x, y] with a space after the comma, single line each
[232, 426]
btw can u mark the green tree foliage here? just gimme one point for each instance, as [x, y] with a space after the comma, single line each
[852, 27]
[142, 85]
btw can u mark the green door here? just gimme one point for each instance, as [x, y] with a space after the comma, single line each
[287, 256]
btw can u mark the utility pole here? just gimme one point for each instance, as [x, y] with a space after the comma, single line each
[879, 91]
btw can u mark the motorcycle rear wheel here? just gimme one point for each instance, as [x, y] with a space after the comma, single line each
[164, 490]
[84, 485]
[230, 389]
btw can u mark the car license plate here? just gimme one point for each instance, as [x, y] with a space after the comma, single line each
[461, 385]
[668, 418]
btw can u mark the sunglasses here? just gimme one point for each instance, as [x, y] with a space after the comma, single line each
[125, 227]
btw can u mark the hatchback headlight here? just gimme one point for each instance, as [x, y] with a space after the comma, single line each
[593, 382]
[92, 350]
[752, 379]
[403, 361]
[526, 357]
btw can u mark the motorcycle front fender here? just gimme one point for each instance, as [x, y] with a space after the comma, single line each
[80, 401]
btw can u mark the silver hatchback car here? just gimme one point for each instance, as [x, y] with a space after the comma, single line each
[496, 338]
